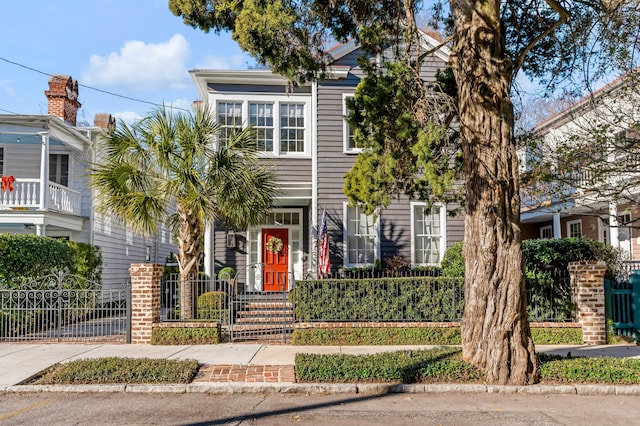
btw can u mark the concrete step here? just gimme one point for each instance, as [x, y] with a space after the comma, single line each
[265, 313]
[267, 305]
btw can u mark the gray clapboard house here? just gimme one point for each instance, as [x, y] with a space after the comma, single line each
[302, 132]
[46, 158]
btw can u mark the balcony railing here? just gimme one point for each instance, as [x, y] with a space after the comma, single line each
[26, 196]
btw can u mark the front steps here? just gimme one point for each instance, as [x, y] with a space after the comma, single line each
[262, 317]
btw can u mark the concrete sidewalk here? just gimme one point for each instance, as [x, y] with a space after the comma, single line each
[20, 362]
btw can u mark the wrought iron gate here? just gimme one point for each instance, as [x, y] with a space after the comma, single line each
[262, 315]
[622, 301]
[64, 308]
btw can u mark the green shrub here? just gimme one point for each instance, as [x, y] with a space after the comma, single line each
[120, 370]
[452, 263]
[555, 254]
[556, 336]
[379, 299]
[87, 261]
[435, 365]
[186, 336]
[226, 273]
[416, 336]
[24, 258]
[212, 305]
[377, 336]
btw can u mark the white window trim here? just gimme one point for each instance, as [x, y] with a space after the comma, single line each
[70, 180]
[544, 228]
[443, 237]
[345, 239]
[255, 234]
[573, 222]
[276, 100]
[345, 126]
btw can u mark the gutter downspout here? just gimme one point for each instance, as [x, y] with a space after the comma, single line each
[313, 241]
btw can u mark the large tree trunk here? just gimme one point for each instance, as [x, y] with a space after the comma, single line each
[495, 330]
[189, 252]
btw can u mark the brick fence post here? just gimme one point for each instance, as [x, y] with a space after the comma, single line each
[588, 291]
[145, 300]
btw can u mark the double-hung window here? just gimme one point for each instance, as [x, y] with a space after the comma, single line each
[428, 233]
[350, 145]
[229, 116]
[361, 237]
[1, 161]
[292, 128]
[574, 228]
[280, 125]
[261, 119]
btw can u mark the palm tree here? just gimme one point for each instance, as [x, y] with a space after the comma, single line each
[166, 167]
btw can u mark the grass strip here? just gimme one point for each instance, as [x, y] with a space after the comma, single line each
[114, 370]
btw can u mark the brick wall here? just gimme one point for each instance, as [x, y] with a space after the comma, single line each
[587, 280]
[145, 300]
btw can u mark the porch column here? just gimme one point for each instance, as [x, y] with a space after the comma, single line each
[44, 172]
[40, 230]
[557, 231]
[209, 263]
[614, 240]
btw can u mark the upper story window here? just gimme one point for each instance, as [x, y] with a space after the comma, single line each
[428, 234]
[361, 237]
[229, 118]
[1, 161]
[292, 128]
[59, 169]
[350, 144]
[261, 118]
[281, 125]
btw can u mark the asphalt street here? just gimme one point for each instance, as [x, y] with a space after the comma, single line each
[354, 410]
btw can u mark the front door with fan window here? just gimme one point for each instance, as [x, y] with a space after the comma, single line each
[275, 257]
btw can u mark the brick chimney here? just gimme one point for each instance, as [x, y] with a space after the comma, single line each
[105, 121]
[63, 98]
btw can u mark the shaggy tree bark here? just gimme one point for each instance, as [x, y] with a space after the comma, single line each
[189, 252]
[495, 329]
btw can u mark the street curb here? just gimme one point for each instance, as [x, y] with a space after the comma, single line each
[329, 388]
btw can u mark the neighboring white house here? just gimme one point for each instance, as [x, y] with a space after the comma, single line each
[44, 163]
[600, 206]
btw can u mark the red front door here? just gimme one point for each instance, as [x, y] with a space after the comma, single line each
[275, 256]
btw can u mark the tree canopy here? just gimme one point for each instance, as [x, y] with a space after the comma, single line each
[559, 42]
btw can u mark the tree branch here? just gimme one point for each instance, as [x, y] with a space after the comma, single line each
[564, 16]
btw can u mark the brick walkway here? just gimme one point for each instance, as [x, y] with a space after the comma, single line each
[246, 373]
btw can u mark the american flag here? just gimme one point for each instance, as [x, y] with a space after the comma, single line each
[324, 264]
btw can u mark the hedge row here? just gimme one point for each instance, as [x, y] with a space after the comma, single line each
[25, 258]
[416, 336]
[186, 336]
[379, 299]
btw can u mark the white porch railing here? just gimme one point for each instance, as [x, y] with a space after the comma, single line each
[26, 195]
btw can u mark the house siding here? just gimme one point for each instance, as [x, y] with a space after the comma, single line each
[333, 163]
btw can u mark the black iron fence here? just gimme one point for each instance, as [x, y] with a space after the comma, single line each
[210, 299]
[54, 309]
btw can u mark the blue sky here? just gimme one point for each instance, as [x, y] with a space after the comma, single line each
[135, 48]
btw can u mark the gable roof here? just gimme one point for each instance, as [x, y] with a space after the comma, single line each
[428, 42]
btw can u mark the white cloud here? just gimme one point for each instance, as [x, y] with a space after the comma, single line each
[145, 66]
[233, 62]
[182, 103]
[127, 116]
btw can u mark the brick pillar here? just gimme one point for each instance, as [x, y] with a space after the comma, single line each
[145, 300]
[588, 292]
